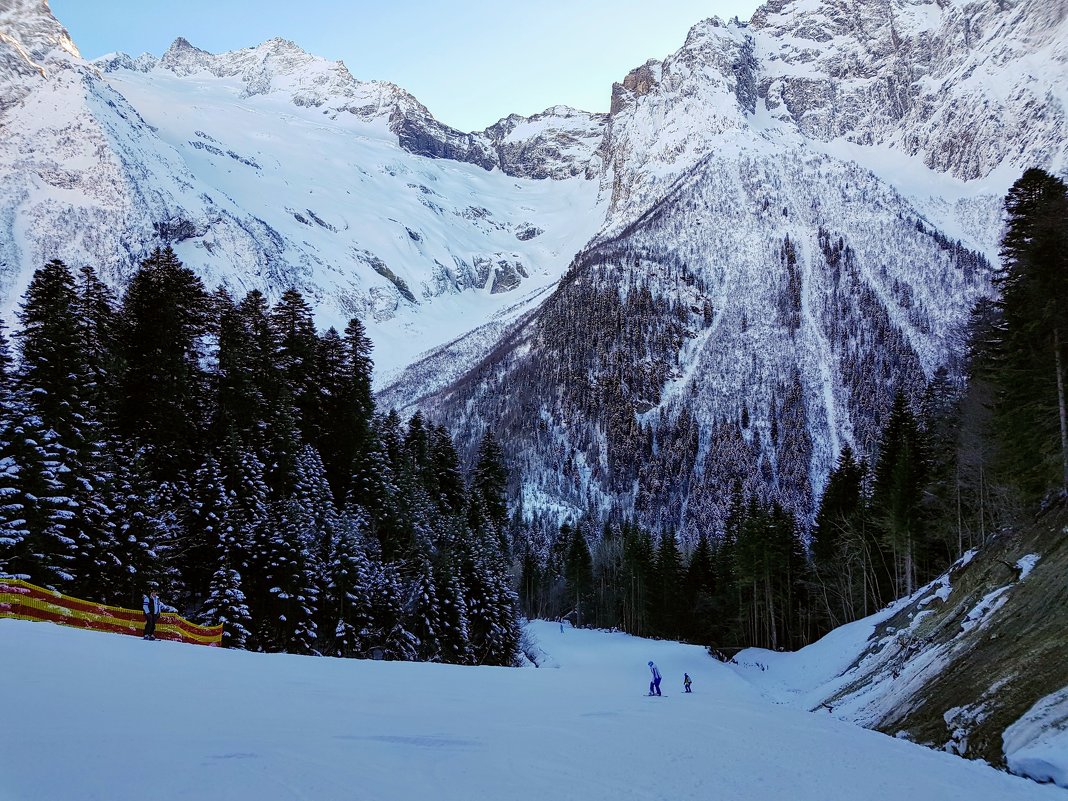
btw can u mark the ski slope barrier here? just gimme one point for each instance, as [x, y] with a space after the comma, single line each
[24, 601]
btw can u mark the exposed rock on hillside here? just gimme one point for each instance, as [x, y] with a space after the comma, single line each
[968, 656]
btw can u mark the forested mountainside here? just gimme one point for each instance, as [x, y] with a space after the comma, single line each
[803, 211]
[662, 369]
[227, 452]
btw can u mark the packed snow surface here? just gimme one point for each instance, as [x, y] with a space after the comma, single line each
[99, 716]
[1037, 744]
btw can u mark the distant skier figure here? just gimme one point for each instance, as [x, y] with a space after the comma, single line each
[153, 606]
[654, 685]
[686, 681]
[561, 625]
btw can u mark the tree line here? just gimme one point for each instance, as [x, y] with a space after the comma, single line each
[227, 451]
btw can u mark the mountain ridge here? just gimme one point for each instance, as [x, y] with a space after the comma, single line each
[775, 171]
[420, 248]
[700, 190]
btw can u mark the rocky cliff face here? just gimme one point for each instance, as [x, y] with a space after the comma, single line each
[973, 663]
[956, 85]
[561, 142]
[952, 82]
[31, 41]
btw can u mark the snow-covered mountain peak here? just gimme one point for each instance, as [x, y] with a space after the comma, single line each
[279, 66]
[558, 143]
[182, 53]
[31, 24]
[122, 61]
[31, 42]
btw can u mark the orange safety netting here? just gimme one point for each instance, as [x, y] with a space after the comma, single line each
[24, 601]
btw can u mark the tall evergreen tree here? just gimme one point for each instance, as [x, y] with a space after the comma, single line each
[424, 607]
[844, 558]
[578, 573]
[487, 499]
[60, 388]
[448, 479]
[348, 600]
[359, 347]
[97, 320]
[1032, 357]
[288, 621]
[52, 368]
[897, 494]
[388, 628]
[226, 604]
[376, 488]
[141, 533]
[33, 512]
[163, 321]
[297, 359]
[638, 579]
[667, 600]
[700, 589]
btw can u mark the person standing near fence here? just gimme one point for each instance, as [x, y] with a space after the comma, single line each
[153, 606]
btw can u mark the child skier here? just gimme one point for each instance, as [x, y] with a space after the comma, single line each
[686, 681]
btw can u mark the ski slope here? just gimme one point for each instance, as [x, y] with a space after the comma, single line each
[100, 716]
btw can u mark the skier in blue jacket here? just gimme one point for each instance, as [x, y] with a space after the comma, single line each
[654, 685]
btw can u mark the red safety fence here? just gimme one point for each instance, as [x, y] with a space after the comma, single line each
[25, 601]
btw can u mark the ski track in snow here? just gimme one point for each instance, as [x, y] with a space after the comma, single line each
[100, 716]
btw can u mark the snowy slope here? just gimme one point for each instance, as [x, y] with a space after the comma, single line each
[462, 242]
[1036, 745]
[108, 717]
[269, 168]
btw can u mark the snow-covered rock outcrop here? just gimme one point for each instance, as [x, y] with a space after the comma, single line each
[966, 88]
[31, 42]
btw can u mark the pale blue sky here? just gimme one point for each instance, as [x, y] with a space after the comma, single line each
[469, 62]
